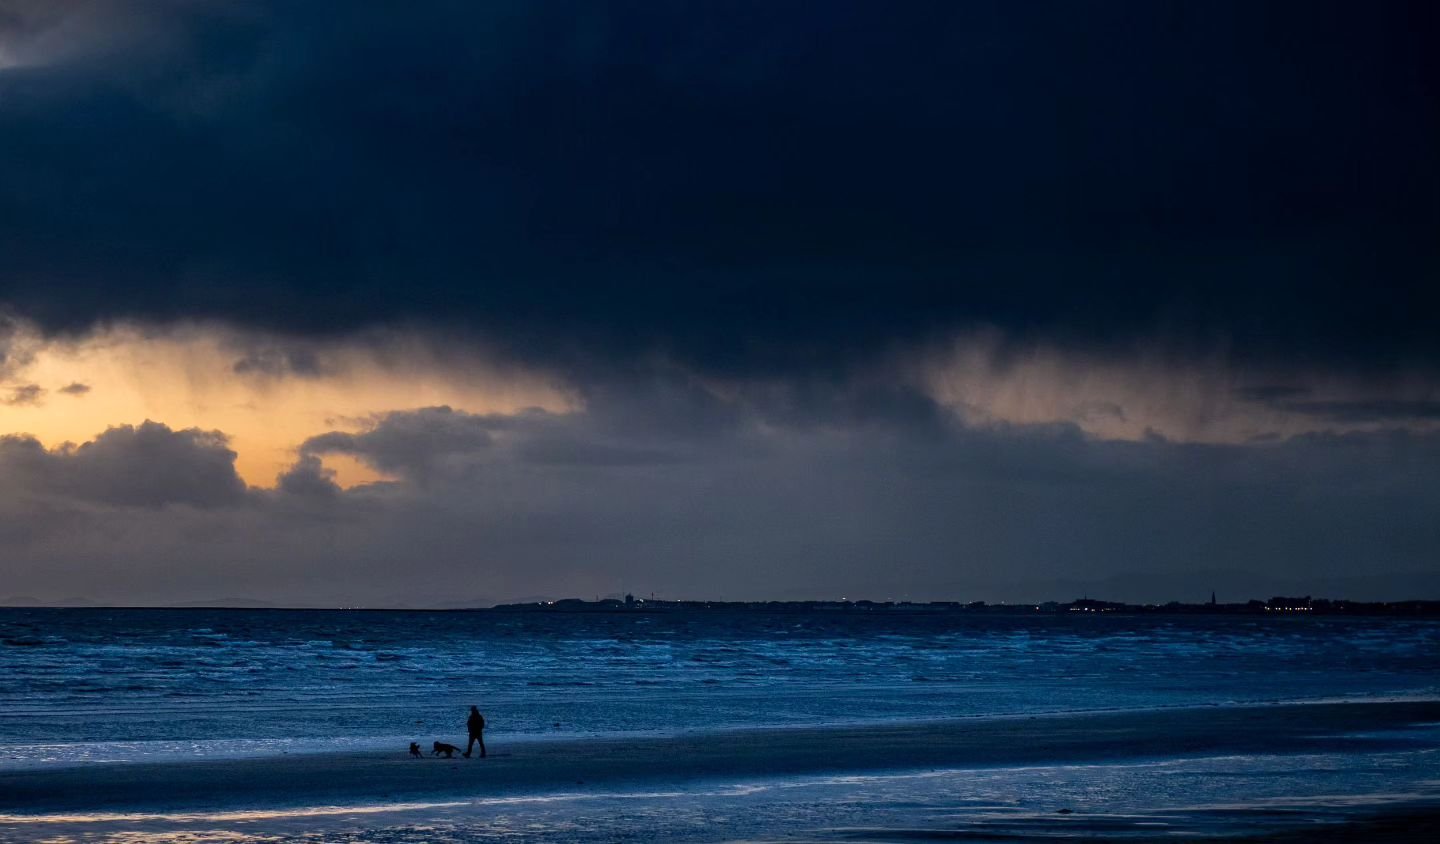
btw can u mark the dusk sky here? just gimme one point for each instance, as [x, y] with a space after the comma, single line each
[445, 304]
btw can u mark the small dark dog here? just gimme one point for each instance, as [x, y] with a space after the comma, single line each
[448, 749]
[415, 749]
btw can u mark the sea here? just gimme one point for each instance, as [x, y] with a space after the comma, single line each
[116, 686]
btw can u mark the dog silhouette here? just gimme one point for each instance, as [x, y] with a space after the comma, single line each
[448, 749]
[415, 749]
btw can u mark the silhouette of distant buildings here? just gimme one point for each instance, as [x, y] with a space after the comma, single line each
[1276, 605]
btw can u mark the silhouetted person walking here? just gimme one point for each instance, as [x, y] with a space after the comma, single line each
[476, 725]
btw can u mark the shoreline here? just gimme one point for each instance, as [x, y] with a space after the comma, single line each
[549, 766]
[381, 745]
[1274, 607]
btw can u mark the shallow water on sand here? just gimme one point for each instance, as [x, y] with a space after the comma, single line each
[1145, 800]
[119, 685]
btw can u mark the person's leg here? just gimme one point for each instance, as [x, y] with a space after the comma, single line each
[481, 738]
[469, 747]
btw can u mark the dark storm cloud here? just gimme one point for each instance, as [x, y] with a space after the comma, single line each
[74, 389]
[751, 186]
[1296, 400]
[1379, 410]
[1271, 393]
[128, 466]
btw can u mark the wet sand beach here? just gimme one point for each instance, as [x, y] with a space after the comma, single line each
[540, 767]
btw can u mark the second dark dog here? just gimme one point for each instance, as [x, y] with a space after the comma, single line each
[415, 749]
[449, 750]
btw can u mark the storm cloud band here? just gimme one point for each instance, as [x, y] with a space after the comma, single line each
[756, 188]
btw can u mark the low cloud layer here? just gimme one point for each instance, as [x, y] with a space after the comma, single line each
[129, 466]
[1151, 390]
[490, 507]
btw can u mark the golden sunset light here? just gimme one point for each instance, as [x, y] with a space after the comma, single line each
[208, 378]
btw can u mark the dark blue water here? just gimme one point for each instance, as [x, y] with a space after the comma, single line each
[80, 685]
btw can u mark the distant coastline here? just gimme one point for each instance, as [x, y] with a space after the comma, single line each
[1274, 606]
[1278, 605]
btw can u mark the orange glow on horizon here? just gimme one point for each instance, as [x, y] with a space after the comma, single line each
[187, 378]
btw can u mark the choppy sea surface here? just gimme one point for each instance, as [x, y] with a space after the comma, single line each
[82, 686]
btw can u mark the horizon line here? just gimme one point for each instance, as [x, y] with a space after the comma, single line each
[692, 602]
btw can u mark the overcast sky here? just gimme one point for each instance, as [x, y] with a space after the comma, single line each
[355, 304]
